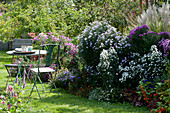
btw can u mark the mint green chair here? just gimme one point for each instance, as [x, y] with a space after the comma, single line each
[46, 69]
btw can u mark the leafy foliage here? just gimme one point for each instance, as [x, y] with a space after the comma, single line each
[156, 93]
[131, 95]
[11, 101]
[65, 17]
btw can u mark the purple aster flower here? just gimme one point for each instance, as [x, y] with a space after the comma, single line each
[9, 106]
[140, 34]
[163, 80]
[144, 26]
[165, 33]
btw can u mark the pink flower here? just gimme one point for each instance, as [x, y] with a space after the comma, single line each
[45, 37]
[69, 40]
[20, 59]
[16, 95]
[1, 14]
[31, 34]
[9, 106]
[10, 88]
[41, 58]
[19, 62]
[55, 39]
[36, 38]
[143, 3]
[31, 65]
[3, 102]
[2, 97]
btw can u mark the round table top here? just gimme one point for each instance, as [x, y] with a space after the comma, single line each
[33, 52]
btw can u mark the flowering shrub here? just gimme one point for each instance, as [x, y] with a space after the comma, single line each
[165, 47]
[155, 91]
[64, 78]
[150, 65]
[141, 39]
[46, 38]
[108, 66]
[95, 38]
[68, 50]
[11, 101]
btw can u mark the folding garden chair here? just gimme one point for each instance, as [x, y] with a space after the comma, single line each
[16, 66]
[46, 69]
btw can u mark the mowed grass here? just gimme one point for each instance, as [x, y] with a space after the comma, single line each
[66, 103]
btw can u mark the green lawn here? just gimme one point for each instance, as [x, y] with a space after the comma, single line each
[67, 103]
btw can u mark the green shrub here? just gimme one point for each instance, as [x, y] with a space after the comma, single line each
[112, 95]
[95, 38]
[65, 17]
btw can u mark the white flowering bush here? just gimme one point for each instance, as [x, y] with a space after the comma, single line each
[110, 60]
[107, 67]
[148, 66]
[95, 38]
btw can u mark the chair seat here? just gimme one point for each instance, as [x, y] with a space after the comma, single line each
[42, 69]
[15, 65]
[11, 65]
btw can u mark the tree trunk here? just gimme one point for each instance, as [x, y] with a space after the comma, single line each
[146, 4]
[140, 1]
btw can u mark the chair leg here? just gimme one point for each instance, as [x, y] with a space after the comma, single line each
[9, 75]
[53, 84]
[55, 88]
[41, 83]
[36, 89]
[32, 90]
[7, 83]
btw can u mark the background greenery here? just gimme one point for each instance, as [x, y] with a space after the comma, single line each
[66, 17]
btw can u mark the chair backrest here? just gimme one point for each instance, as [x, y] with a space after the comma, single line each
[18, 42]
[50, 49]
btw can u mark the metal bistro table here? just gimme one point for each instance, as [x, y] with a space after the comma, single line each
[19, 53]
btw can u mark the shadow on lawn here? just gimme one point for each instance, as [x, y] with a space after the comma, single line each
[68, 103]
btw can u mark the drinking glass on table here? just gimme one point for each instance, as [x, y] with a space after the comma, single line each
[23, 47]
[29, 48]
